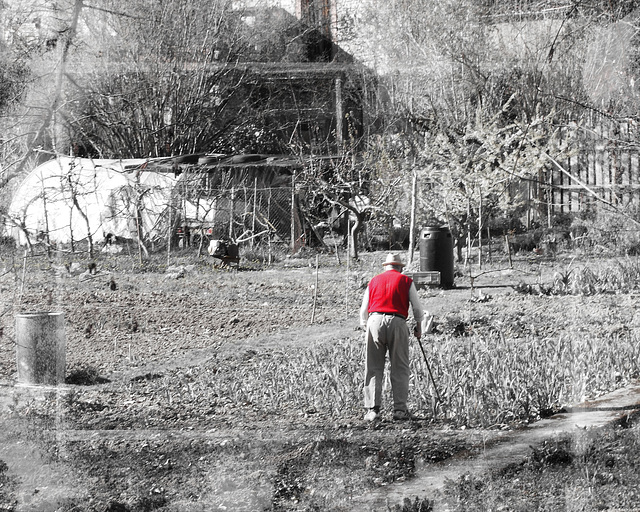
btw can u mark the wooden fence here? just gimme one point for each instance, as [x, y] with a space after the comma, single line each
[602, 166]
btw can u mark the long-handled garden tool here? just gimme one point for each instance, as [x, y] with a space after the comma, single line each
[427, 323]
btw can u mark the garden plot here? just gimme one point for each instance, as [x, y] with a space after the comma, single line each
[214, 389]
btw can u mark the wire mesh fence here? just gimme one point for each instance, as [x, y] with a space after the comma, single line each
[248, 215]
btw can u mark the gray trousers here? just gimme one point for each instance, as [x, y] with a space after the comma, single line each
[386, 333]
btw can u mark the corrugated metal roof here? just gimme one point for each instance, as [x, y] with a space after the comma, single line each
[203, 160]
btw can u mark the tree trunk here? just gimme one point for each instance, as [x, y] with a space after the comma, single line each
[339, 115]
[353, 235]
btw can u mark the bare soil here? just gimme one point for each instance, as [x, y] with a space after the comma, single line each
[130, 430]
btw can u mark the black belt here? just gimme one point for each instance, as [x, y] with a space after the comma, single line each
[388, 314]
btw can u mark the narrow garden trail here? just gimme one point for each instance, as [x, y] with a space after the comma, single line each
[512, 448]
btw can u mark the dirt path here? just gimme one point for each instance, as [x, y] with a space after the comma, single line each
[511, 448]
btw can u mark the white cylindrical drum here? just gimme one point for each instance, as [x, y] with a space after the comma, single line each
[41, 348]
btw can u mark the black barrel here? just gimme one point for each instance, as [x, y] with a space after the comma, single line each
[436, 253]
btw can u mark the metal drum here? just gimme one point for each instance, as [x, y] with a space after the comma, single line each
[41, 348]
[436, 253]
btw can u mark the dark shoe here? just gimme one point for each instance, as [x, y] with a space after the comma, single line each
[402, 415]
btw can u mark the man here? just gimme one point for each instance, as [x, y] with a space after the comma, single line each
[384, 312]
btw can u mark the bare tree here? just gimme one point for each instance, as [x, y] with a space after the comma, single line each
[358, 187]
[162, 82]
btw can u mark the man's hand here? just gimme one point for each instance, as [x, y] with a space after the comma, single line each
[417, 331]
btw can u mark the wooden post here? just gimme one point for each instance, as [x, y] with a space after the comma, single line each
[24, 274]
[346, 295]
[246, 208]
[46, 221]
[413, 215]
[139, 230]
[255, 199]
[339, 114]
[231, 208]
[528, 205]
[550, 198]
[269, 220]
[315, 293]
[480, 229]
[468, 255]
[185, 195]
[169, 236]
[293, 213]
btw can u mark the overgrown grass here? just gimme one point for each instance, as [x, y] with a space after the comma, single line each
[482, 381]
[617, 276]
[487, 381]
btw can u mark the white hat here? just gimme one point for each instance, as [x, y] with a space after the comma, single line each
[393, 259]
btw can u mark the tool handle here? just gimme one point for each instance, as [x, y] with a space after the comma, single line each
[426, 362]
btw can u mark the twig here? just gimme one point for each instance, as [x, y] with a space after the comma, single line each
[240, 240]
[335, 243]
[6, 310]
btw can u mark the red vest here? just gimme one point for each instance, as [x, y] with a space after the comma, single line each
[389, 293]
